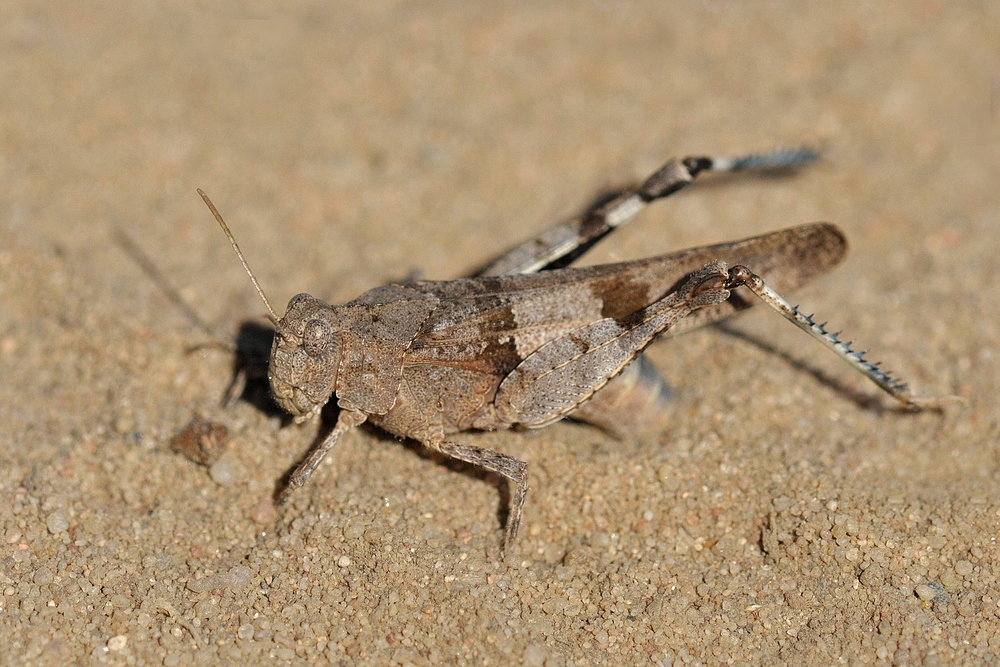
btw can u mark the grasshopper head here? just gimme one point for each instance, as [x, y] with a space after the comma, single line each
[305, 357]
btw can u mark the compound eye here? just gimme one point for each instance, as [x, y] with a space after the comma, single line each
[317, 338]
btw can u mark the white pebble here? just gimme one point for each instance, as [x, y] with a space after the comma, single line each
[344, 561]
[57, 522]
[117, 643]
[224, 471]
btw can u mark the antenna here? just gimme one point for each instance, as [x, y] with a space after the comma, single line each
[229, 235]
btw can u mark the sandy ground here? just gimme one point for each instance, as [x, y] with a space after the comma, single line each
[789, 514]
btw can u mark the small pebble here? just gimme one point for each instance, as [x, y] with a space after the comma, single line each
[950, 580]
[224, 472]
[117, 643]
[668, 477]
[344, 561]
[926, 591]
[264, 512]
[57, 522]
[201, 441]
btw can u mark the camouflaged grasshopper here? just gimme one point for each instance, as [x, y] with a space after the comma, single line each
[527, 342]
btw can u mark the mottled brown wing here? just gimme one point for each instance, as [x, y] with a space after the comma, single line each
[786, 259]
[490, 324]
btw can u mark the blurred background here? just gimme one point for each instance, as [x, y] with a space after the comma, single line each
[353, 144]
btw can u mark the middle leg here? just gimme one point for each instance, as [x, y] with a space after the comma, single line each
[513, 469]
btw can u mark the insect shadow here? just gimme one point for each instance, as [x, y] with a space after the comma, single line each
[249, 378]
[864, 401]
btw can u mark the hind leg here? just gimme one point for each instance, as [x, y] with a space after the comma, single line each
[634, 404]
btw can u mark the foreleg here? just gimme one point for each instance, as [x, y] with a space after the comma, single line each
[346, 420]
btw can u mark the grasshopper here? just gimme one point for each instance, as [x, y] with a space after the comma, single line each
[529, 340]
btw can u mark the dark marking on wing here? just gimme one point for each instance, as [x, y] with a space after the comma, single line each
[622, 294]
